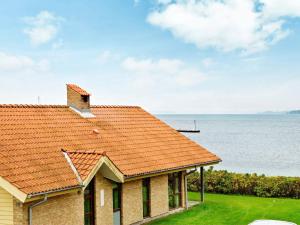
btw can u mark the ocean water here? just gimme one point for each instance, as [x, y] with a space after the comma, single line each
[262, 144]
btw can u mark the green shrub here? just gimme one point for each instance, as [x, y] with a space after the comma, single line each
[222, 181]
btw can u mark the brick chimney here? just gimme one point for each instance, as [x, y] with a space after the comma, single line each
[78, 98]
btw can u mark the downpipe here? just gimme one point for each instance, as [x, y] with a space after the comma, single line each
[34, 205]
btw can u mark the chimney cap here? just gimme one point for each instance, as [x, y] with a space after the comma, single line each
[78, 89]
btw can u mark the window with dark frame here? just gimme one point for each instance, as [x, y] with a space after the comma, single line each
[175, 198]
[85, 98]
[89, 204]
[116, 197]
[146, 197]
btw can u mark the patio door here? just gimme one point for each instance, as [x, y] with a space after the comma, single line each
[117, 203]
[89, 204]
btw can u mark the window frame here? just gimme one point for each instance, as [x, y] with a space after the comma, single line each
[146, 183]
[85, 98]
[176, 191]
[91, 197]
[117, 188]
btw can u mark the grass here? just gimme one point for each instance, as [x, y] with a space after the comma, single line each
[234, 210]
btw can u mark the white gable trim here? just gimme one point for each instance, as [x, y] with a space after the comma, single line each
[73, 167]
[104, 161]
[13, 190]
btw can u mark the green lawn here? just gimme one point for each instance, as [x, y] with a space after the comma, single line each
[234, 210]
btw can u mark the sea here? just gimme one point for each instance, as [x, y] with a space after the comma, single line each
[261, 143]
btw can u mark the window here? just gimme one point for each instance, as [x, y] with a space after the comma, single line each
[117, 203]
[146, 197]
[116, 197]
[85, 98]
[89, 204]
[175, 190]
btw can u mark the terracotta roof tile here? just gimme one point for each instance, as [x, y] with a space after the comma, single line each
[78, 89]
[140, 143]
[84, 161]
[32, 136]
[31, 139]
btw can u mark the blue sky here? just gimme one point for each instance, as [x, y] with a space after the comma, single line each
[185, 56]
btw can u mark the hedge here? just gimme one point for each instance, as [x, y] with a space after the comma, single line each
[224, 182]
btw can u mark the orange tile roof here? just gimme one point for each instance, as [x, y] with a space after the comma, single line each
[139, 143]
[78, 89]
[84, 161]
[32, 138]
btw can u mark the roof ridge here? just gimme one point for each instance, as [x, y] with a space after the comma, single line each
[84, 152]
[115, 106]
[62, 106]
[31, 106]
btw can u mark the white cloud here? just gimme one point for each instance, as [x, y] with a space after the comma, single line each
[58, 44]
[42, 28]
[207, 62]
[21, 64]
[147, 66]
[277, 8]
[227, 25]
[108, 56]
[160, 71]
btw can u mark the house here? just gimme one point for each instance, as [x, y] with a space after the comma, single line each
[81, 164]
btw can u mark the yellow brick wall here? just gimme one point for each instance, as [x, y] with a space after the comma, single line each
[132, 205]
[74, 99]
[6, 208]
[18, 212]
[159, 195]
[104, 214]
[67, 209]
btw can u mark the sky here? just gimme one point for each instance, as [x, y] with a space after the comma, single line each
[168, 56]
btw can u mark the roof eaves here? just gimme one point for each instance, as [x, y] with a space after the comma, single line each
[129, 177]
[67, 188]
